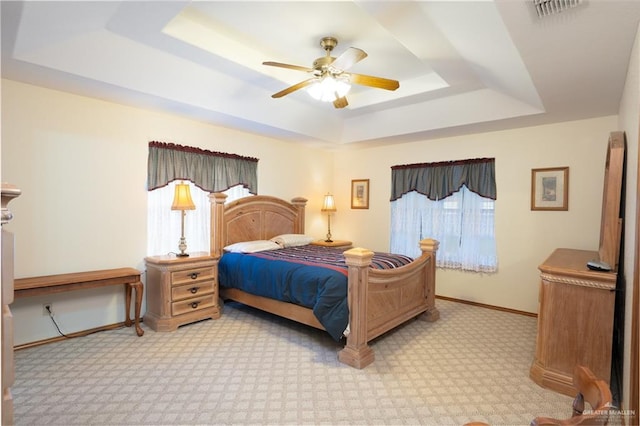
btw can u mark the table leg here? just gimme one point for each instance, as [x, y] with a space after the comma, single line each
[127, 304]
[139, 290]
[127, 321]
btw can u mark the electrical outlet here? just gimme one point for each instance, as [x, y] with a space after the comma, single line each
[47, 309]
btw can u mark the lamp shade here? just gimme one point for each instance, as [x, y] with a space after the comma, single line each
[329, 204]
[328, 88]
[182, 198]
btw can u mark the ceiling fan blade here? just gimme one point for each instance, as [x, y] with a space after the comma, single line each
[378, 82]
[340, 102]
[348, 58]
[289, 66]
[294, 88]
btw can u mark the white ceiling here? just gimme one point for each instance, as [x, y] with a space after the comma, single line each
[463, 66]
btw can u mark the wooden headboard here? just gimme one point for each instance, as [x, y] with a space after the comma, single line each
[252, 218]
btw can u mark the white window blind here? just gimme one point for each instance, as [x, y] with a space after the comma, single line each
[463, 223]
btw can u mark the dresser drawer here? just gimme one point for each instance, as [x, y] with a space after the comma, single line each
[195, 289]
[194, 304]
[191, 275]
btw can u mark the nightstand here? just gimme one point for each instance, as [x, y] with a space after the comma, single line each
[181, 290]
[334, 243]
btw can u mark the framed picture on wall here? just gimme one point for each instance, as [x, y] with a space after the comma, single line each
[550, 188]
[360, 194]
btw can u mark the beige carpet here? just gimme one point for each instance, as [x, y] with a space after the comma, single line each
[249, 367]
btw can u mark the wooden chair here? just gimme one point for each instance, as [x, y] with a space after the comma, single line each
[591, 389]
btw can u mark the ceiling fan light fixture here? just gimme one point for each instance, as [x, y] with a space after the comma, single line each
[328, 81]
[329, 88]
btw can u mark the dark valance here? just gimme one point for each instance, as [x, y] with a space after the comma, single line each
[439, 180]
[209, 170]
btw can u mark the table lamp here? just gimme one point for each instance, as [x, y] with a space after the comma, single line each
[182, 201]
[328, 206]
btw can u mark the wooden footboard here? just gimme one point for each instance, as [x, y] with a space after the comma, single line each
[379, 300]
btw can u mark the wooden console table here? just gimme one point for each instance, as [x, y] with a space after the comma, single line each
[51, 284]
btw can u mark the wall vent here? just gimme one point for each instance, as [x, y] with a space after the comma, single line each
[552, 7]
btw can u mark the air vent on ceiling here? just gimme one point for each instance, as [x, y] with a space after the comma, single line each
[552, 7]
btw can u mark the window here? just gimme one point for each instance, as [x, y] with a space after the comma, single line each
[463, 223]
[163, 224]
[459, 218]
[206, 172]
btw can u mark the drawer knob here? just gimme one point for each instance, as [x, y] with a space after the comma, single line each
[195, 304]
[194, 275]
[194, 290]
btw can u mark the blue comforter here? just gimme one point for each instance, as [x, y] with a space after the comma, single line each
[318, 288]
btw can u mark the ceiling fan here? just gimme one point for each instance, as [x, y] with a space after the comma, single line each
[330, 81]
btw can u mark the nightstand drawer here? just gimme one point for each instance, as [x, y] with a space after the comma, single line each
[197, 288]
[191, 305]
[191, 275]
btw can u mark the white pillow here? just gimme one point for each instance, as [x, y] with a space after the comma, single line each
[292, 240]
[252, 246]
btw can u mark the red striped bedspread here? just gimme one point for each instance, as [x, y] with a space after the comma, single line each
[331, 257]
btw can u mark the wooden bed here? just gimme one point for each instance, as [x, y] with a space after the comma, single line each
[378, 300]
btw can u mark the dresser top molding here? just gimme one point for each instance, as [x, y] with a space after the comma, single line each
[569, 266]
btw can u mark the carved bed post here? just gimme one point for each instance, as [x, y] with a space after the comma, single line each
[217, 200]
[357, 353]
[431, 247]
[300, 204]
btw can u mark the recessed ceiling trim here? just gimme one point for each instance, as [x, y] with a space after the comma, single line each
[500, 63]
[192, 27]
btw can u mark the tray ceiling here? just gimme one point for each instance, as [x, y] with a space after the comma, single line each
[463, 66]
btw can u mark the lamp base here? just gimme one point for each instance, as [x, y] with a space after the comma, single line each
[328, 240]
[182, 245]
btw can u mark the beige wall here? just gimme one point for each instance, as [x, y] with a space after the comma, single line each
[524, 237]
[81, 165]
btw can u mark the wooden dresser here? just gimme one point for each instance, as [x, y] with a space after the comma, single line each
[9, 192]
[576, 304]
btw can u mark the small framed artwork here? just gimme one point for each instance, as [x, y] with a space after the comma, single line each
[360, 194]
[550, 189]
